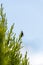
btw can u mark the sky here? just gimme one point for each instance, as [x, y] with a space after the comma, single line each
[28, 17]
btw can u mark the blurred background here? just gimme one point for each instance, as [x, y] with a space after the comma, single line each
[28, 17]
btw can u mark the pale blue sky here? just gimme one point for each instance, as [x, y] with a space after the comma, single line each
[27, 16]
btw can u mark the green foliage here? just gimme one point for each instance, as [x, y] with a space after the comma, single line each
[10, 45]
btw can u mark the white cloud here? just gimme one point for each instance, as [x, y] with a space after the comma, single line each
[36, 59]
